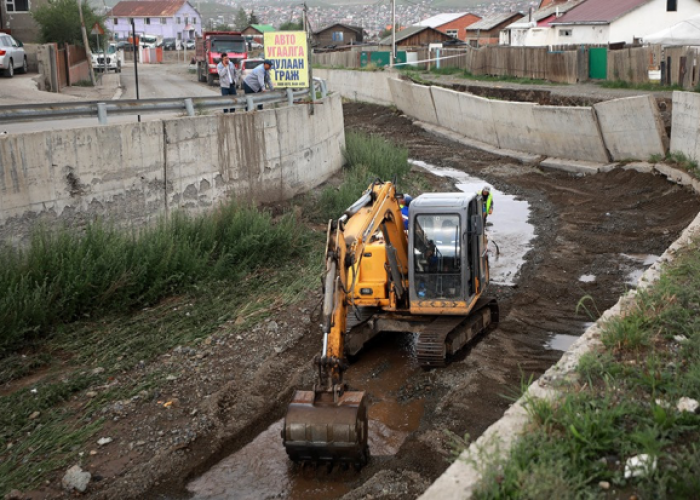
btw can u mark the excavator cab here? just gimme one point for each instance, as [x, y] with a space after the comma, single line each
[447, 253]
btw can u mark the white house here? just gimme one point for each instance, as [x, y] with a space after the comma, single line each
[535, 30]
[615, 21]
[161, 19]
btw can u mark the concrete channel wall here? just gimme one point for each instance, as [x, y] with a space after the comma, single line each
[134, 173]
[616, 130]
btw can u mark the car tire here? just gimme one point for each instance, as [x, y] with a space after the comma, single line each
[10, 71]
[25, 66]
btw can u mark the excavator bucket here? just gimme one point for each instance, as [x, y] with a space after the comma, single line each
[319, 429]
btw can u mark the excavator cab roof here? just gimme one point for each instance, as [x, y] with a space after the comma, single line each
[450, 200]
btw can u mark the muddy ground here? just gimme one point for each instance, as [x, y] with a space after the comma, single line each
[219, 415]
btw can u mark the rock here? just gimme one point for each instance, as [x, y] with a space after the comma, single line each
[640, 466]
[272, 326]
[34, 415]
[104, 441]
[98, 370]
[91, 394]
[76, 479]
[604, 485]
[14, 495]
[171, 377]
[687, 404]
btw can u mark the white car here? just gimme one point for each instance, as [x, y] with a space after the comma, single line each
[247, 67]
[12, 56]
[113, 62]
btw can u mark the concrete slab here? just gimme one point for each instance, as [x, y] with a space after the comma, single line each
[423, 107]
[524, 158]
[568, 132]
[685, 124]
[365, 86]
[632, 127]
[576, 166]
[640, 166]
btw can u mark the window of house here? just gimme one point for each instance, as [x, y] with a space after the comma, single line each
[116, 21]
[148, 20]
[178, 19]
[564, 32]
[337, 36]
[452, 33]
[17, 5]
[671, 5]
[163, 20]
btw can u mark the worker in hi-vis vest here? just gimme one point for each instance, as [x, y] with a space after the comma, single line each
[488, 201]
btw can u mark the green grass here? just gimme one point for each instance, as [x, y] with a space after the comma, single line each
[420, 76]
[62, 277]
[678, 160]
[621, 84]
[367, 157]
[31, 449]
[623, 405]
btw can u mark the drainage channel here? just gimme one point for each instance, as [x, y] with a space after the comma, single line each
[383, 369]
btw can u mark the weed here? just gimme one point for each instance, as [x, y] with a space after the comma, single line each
[82, 83]
[622, 84]
[63, 276]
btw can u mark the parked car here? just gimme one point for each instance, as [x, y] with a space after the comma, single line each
[247, 66]
[113, 60]
[12, 56]
[189, 44]
[125, 46]
[170, 44]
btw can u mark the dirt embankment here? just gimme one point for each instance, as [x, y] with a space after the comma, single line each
[232, 387]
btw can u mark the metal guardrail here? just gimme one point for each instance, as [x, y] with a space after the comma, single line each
[190, 105]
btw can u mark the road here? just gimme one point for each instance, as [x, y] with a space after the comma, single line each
[164, 80]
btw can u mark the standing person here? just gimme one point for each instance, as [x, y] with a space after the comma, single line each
[227, 78]
[404, 201]
[257, 79]
[488, 202]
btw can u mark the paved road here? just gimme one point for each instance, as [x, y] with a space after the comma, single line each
[166, 80]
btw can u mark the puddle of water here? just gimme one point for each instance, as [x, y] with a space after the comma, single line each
[262, 469]
[508, 226]
[639, 263]
[587, 278]
[561, 342]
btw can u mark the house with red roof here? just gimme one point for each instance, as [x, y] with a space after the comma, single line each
[454, 24]
[608, 21]
[534, 30]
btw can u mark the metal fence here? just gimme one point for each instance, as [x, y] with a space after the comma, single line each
[190, 106]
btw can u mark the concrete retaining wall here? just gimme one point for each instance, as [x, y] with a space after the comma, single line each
[134, 173]
[621, 129]
[685, 124]
[367, 86]
[632, 127]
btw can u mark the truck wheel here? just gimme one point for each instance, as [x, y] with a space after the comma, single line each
[210, 79]
[200, 74]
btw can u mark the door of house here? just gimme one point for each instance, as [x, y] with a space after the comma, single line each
[598, 63]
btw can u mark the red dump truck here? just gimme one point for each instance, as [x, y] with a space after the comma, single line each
[211, 46]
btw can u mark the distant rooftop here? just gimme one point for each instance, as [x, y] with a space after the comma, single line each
[262, 28]
[599, 11]
[152, 8]
[440, 19]
[491, 22]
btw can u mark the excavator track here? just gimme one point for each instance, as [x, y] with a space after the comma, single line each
[448, 334]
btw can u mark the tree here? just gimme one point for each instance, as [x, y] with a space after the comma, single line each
[291, 26]
[59, 22]
[253, 19]
[223, 27]
[241, 20]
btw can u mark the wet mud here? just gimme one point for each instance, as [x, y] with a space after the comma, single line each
[601, 227]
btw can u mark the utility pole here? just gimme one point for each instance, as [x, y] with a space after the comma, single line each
[393, 34]
[85, 42]
[136, 57]
[312, 88]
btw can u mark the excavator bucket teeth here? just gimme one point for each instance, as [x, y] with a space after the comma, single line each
[319, 429]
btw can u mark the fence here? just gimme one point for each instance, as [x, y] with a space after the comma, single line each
[630, 64]
[681, 66]
[346, 59]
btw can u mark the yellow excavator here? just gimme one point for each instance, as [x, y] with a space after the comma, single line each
[429, 280]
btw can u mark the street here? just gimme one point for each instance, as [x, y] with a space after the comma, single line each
[155, 81]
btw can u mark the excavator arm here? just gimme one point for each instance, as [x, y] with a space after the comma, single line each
[330, 422]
